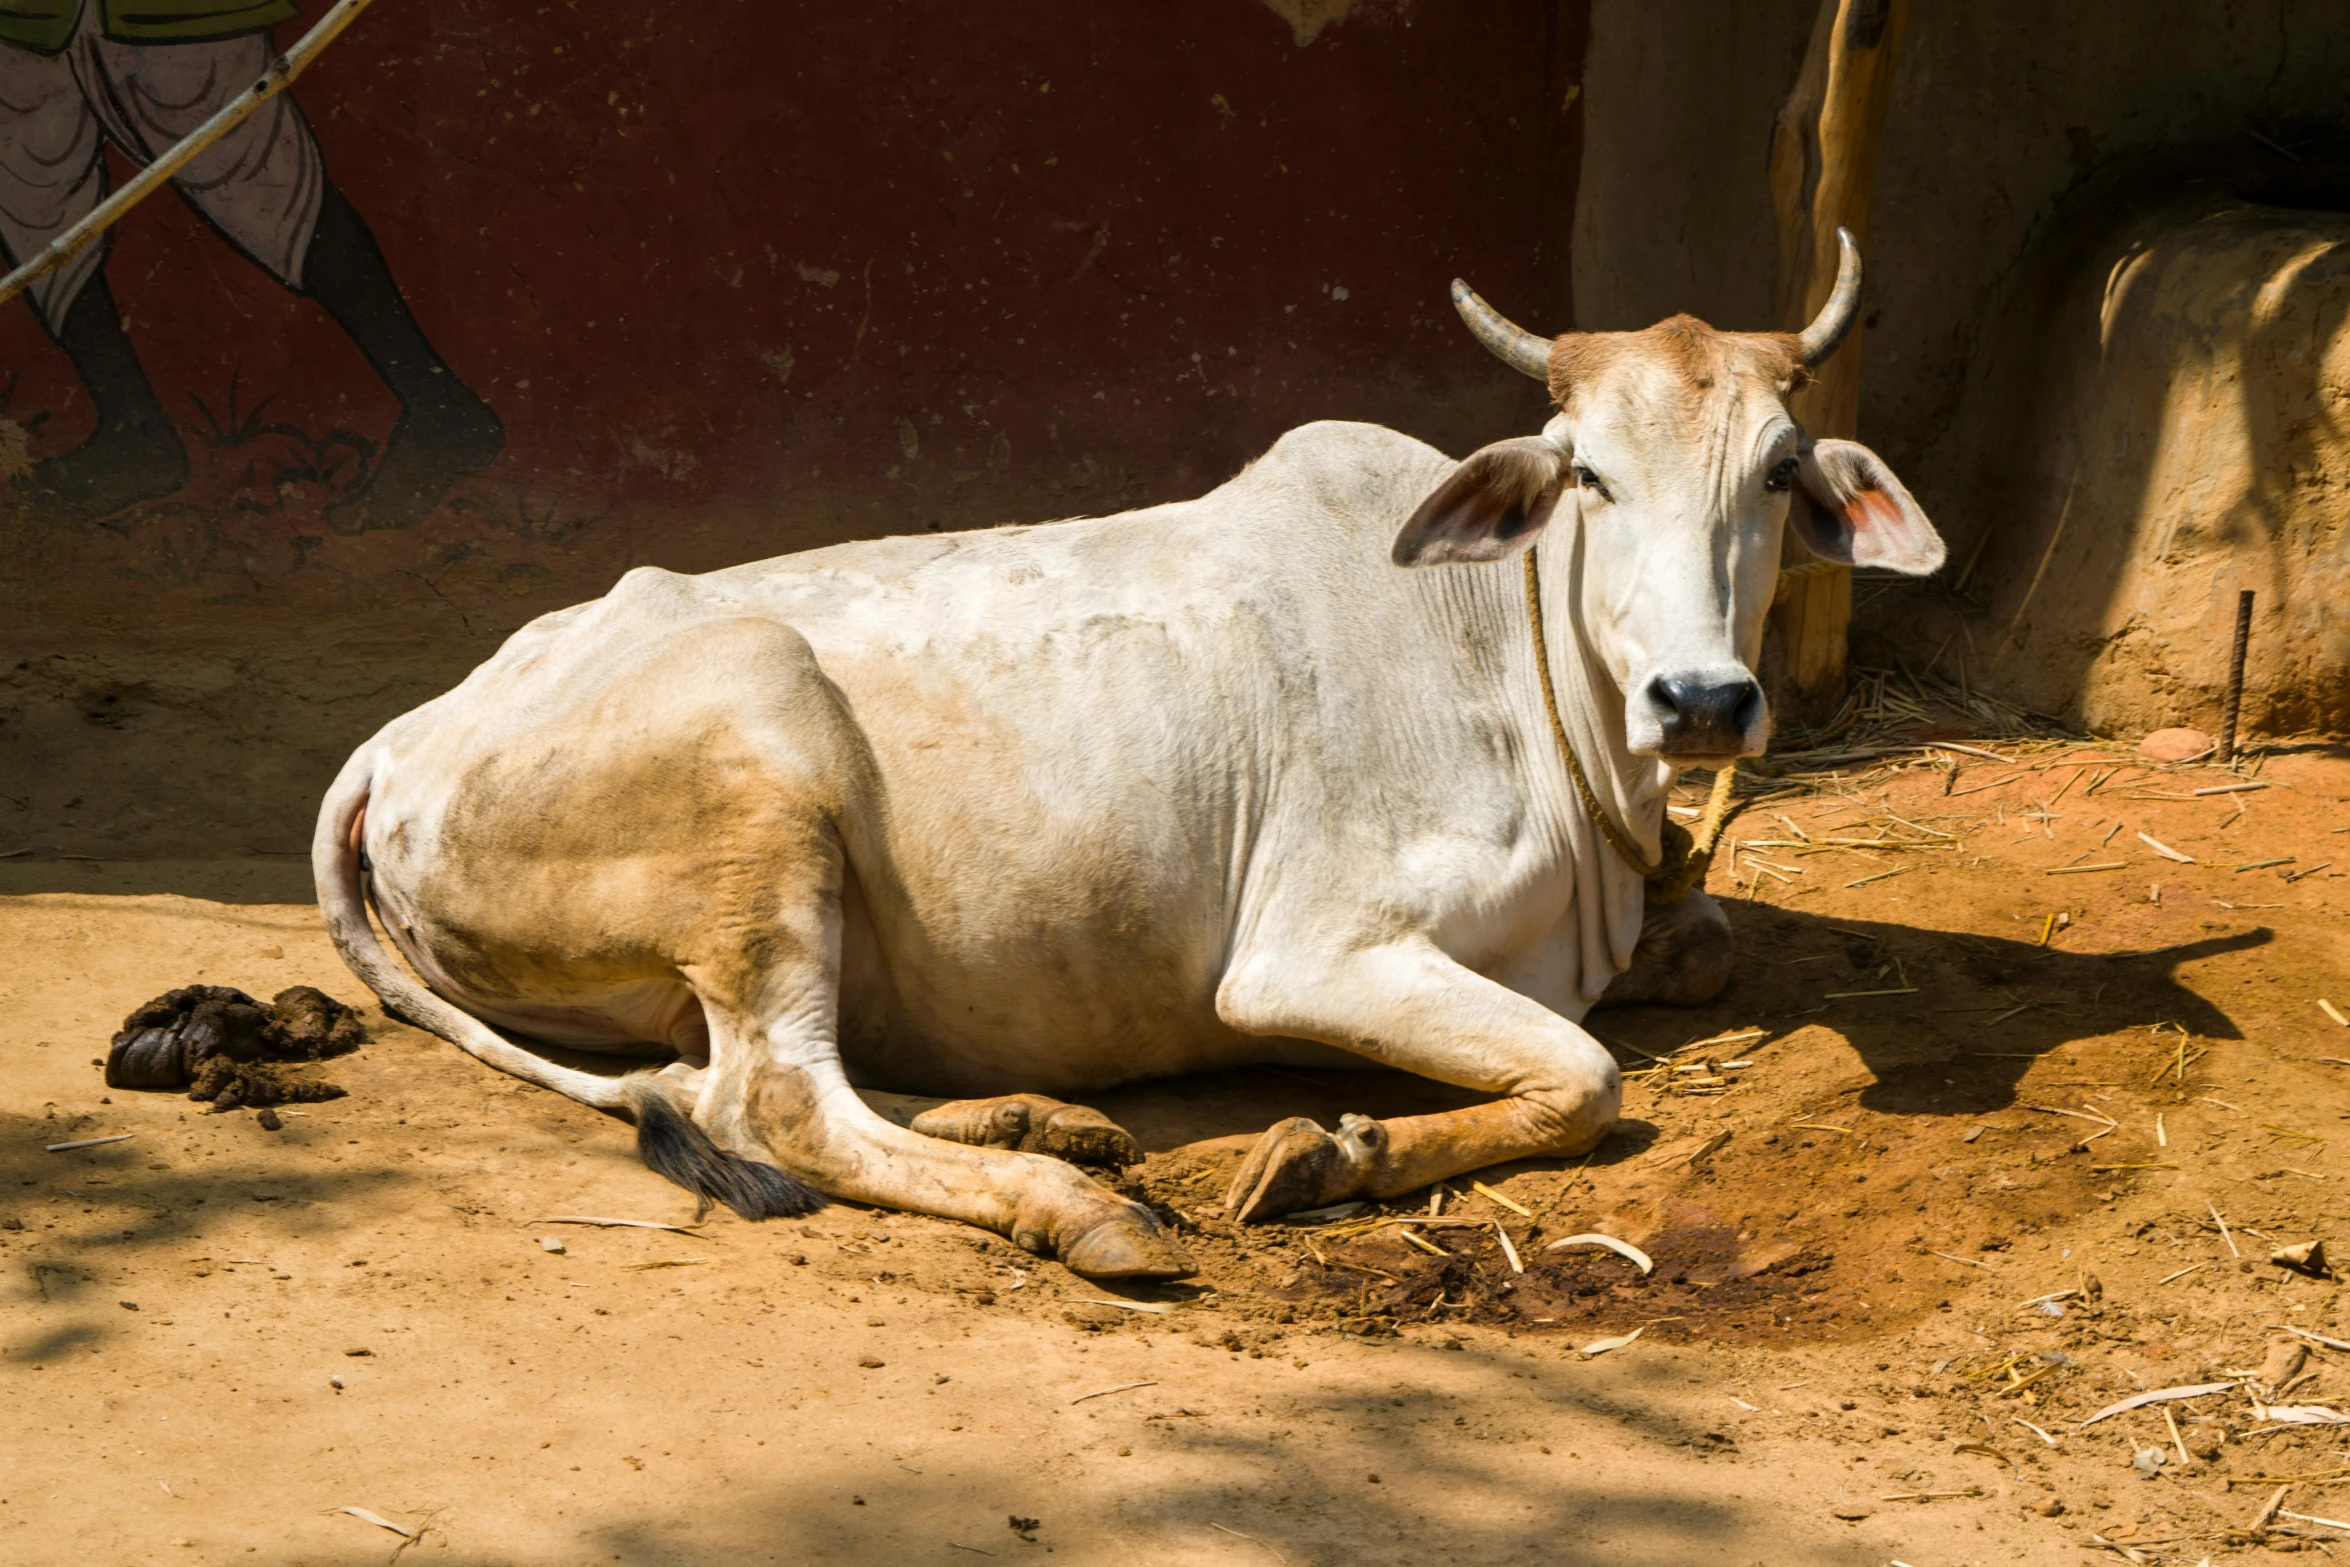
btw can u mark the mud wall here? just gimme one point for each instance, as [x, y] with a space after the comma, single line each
[2172, 429]
[739, 278]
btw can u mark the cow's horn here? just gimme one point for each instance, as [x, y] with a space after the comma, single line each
[1509, 342]
[1818, 340]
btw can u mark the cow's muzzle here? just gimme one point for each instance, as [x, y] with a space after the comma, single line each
[1698, 716]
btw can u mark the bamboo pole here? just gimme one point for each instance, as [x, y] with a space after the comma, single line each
[276, 78]
[1823, 172]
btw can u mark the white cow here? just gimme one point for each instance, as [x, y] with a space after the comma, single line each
[1039, 810]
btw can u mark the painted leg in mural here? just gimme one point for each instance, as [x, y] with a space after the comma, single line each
[264, 187]
[52, 172]
[134, 455]
[445, 431]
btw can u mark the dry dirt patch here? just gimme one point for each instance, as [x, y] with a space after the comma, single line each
[1845, 1232]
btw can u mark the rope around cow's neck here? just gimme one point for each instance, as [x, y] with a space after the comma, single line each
[1685, 859]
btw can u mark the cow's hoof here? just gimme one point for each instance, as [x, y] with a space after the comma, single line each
[1032, 1123]
[1083, 1135]
[1127, 1246]
[1298, 1165]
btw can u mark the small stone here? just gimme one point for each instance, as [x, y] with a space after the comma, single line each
[871, 1363]
[362, 1350]
[2174, 745]
[268, 1121]
[128, 1305]
[2149, 1462]
[336, 1383]
[550, 1243]
[1852, 1512]
[2053, 1507]
[2283, 1363]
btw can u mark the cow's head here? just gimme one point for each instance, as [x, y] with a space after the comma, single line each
[1675, 448]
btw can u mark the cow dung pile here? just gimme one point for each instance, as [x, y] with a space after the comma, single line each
[223, 1046]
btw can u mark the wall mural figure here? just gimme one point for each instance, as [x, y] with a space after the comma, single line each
[76, 74]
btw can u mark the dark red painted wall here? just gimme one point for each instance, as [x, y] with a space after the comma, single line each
[744, 276]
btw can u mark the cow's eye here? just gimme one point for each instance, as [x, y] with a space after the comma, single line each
[1782, 475]
[1590, 481]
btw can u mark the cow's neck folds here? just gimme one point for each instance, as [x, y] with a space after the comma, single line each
[1585, 795]
[1610, 894]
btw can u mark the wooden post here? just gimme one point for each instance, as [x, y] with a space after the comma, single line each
[1823, 172]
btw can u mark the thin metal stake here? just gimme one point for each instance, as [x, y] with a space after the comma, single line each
[2235, 696]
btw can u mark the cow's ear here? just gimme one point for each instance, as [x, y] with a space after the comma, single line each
[1849, 508]
[1494, 505]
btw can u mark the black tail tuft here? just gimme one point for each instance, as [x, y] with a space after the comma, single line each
[673, 1147]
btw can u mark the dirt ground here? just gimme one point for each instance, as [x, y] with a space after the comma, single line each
[1967, 1083]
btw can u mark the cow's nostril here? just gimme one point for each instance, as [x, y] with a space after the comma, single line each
[1706, 718]
[1750, 708]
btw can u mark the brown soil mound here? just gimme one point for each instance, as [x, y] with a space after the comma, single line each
[225, 1047]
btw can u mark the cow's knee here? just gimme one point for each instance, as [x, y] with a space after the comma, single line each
[1569, 1120]
[1683, 956]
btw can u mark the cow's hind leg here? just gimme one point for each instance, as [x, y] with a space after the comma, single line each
[775, 1091]
[794, 1106]
[1410, 1006]
[764, 764]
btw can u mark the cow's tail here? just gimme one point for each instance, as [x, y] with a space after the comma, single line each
[667, 1139]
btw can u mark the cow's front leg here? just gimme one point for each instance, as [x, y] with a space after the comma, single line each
[1033, 1123]
[1030, 1123]
[1411, 1007]
[1683, 957]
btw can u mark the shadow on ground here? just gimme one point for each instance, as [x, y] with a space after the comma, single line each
[1472, 1460]
[1990, 1005]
